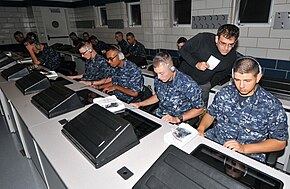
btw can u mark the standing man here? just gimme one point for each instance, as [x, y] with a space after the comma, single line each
[127, 80]
[204, 50]
[180, 43]
[96, 67]
[248, 119]
[121, 42]
[178, 95]
[136, 52]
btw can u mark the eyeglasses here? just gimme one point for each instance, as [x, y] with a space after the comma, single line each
[83, 53]
[112, 58]
[223, 44]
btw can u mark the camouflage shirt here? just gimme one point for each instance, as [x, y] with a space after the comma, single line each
[49, 58]
[137, 49]
[97, 69]
[124, 46]
[250, 120]
[128, 77]
[177, 96]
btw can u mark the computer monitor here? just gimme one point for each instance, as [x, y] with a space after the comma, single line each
[100, 135]
[32, 83]
[56, 100]
[177, 169]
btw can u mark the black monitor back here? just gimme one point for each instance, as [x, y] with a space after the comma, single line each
[32, 83]
[7, 63]
[14, 72]
[100, 135]
[177, 169]
[56, 100]
[2, 55]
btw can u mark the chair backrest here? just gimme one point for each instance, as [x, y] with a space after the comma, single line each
[271, 157]
[143, 95]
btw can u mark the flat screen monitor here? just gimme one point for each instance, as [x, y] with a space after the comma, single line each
[177, 169]
[238, 170]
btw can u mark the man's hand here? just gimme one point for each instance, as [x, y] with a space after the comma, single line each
[109, 89]
[170, 119]
[234, 145]
[86, 82]
[136, 104]
[202, 66]
[200, 132]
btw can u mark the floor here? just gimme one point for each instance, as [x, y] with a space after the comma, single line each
[16, 170]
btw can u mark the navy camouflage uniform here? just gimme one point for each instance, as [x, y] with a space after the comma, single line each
[124, 46]
[251, 120]
[130, 77]
[177, 96]
[137, 49]
[49, 58]
[97, 69]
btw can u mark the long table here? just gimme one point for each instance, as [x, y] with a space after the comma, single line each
[61, 165]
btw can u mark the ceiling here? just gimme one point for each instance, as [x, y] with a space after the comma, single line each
[58, 3]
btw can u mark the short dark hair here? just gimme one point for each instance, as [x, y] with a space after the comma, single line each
[247, 64]
[130, 34]
[18, 33]
[83, 44]
[72, 33]
[181, 40]
[92, 37]
[114, 47]
[86, 33]
[228, 31]
[31, 38]
[119, 33]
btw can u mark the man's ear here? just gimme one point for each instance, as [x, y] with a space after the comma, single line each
[259, 76]
[216, 39]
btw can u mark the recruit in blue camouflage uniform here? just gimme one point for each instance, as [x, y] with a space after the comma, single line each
[124, 46]
[137, 49]
[49, 58]
[252, 120]
[177, 96]
[97, 69]
[130, 77]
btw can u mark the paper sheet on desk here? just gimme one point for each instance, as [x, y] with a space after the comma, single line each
[180, 135]
[111, 103]
[213, 62]
[50, 74]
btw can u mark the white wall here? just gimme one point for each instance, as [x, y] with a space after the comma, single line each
[157, 30]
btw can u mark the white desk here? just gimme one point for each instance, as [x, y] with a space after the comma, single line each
[77, 172]
[62, 165]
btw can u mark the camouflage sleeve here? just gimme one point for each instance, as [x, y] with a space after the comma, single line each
[136, 81]
[278, 127]
[194, 94]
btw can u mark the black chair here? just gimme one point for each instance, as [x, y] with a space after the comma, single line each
[67, 68]
[142, 95]
[271, 157]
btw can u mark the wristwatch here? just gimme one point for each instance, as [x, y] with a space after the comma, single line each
[180, 117]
